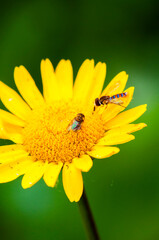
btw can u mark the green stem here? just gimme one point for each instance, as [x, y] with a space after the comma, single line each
[87, 218]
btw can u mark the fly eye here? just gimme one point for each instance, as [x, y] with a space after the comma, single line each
[97, 102]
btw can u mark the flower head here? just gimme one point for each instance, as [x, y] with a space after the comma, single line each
[63, 130]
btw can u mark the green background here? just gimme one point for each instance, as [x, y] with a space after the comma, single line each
[123, 190]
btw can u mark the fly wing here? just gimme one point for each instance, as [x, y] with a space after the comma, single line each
[114, 88]
[70, 126]
[74, 126]
[117, 84]
[116, 101]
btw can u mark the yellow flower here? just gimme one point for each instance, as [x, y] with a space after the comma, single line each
[38, 125]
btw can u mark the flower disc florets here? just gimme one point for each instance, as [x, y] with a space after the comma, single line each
[46, 135]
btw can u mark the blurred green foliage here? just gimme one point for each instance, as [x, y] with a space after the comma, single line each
[123, 190]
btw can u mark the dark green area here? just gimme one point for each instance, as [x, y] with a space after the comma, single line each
[123, 190]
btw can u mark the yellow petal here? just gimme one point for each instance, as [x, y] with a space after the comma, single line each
[16, 138]
[10, 148]
[126, 117]
[51, 173]
[14, 102]
[9, 152]
[112, 109]
[103, 152]
[117, 84]
[64, 75]
[114, 139]
[83, 81]
[12, 132]
[96, 84]
[128, 128]
[11, 170]
[12, 155]
[3, 134]
[72, 182]
[10, 118]
[51, 89]
[33, 174]
[27, 87]
[84, 163]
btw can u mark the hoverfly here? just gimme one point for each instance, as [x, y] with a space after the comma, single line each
[77, 122]
[105, 100]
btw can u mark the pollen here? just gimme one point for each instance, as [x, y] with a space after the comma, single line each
[46, 135]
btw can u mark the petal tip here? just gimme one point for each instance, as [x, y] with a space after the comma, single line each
[132, 137]
[117, 150]
[145, 106]
[16, 69]
[123, 73]
[47, 60]
[23, 186]
[42, 62]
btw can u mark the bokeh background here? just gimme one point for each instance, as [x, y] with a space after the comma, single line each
[123, 190]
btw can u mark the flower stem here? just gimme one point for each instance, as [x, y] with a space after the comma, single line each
[87, 218]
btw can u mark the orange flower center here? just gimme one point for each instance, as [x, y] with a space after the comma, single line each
[46, 135]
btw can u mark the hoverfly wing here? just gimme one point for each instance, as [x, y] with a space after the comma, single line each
[116, 85]
[74, 126]
[69, 127]
[116, 101]
[112, 89]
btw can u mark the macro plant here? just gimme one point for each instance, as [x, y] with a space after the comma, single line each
[65, 128]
